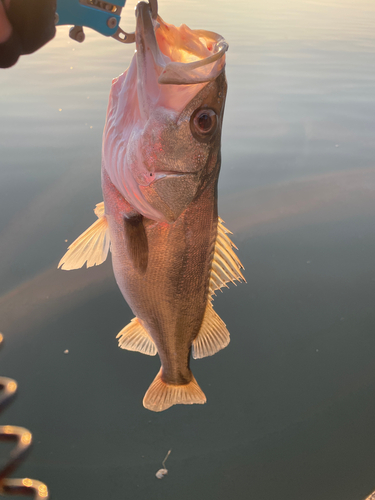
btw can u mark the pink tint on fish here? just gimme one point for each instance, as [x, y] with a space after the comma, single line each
[160, 168]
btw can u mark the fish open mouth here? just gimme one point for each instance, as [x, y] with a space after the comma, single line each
[173, 63]
[181, 56]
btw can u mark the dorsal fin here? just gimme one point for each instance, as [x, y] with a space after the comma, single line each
[213, 335]
[91, 247]
[226, 266]
[134, 337]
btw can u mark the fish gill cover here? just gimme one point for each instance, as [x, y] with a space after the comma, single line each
[170, 66]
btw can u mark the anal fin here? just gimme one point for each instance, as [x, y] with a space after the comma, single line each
[161, 396]
[213, 335]
[134, 337]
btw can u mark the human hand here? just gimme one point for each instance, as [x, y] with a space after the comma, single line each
[25, 26]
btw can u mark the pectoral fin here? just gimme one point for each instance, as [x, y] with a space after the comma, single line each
[226, 266]
[136, 241]
[134, 337]
[91, 247]
[213, 335]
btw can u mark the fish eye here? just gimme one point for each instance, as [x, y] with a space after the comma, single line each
[203, 123]
[204, 120]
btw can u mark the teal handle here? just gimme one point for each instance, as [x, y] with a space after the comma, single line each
[73, 12]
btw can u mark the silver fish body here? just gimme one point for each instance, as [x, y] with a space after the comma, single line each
[163, 268]
[160, 168]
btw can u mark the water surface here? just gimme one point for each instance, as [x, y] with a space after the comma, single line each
[291, 407]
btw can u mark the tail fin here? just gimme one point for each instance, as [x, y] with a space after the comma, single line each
[161, 396]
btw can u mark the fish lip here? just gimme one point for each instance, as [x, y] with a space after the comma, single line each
[170, 174]
[145, 32]
[149, 60]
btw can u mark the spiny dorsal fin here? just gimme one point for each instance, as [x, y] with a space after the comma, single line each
[91, 247]
[226, 266]
[160, 396]
[213, 335]
[134, 337]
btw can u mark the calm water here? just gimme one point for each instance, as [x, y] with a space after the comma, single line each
[291, 401]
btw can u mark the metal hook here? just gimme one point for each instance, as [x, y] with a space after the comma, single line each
[124, 37]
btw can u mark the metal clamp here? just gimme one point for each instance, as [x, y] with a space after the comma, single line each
[123, 37]
[99, 15]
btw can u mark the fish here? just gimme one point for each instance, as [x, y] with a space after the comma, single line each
[161, 158]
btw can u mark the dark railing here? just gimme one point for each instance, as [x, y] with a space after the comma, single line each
[23, 439]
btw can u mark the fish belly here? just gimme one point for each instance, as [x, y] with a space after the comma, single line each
[163, 272]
